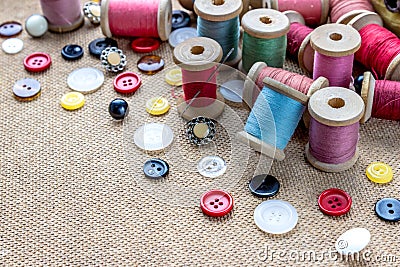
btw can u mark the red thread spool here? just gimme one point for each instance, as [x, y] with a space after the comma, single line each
[62, 15]
[342, 11]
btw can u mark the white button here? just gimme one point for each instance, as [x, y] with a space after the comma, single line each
[36, 25]
[353, 241]
[211, 166]
[232, 90]
[12, 45]
[275, 216]
[85, 80]
[180, 35]
[153, 136]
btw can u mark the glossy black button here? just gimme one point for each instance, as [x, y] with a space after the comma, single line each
[358, 83]
[150, 64]
[155, 168]
[98, 45]
[10, 28]
[388, 209]
[118, 109]
[72, 51]
[264, 185]
[180, 19]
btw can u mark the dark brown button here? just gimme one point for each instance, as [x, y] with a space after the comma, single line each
[10, 29]
[150, 64]
[26, 89]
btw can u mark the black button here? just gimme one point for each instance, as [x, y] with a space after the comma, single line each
[180, 19]
[264, 185]
[388, 209]
[155, 168]
[358, 83]
[98, 45]
[118, 109]
[71, 52]
[10, 28]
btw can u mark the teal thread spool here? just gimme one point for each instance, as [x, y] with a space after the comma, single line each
[264, 38]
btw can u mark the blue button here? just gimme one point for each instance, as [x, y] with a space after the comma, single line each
[155, 168]
[72, 52]
[98, 45]
[264, 185]
[180, 19]
[388, 209]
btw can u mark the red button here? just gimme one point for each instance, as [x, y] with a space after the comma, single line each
[334, 202]
[145, 45]
[37, 62]
[216, 203]
[127, 82]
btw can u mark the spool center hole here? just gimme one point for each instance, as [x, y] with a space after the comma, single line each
[336, 102]
[197, 50]
[266, 20]
[218, 2]
[335, 36]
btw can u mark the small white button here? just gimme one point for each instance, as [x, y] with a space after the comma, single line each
[353, 241]
[12, 45]
[85, 80]
[36, 25]
[153, 136]
[211, 166]
[232, 90]
[180, 35]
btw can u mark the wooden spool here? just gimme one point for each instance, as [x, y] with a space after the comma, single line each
[187, 4]
[367, 95]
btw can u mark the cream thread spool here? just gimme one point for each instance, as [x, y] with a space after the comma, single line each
[367, 95]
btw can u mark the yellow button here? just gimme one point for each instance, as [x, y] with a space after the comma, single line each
[72, 101]
[379, 172]
[157, 106]
[174, 77]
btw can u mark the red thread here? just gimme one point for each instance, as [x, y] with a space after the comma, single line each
[386, 104]
[311, 10]
[195, 81]
[296, 35]
[341, 7]
[62, 13]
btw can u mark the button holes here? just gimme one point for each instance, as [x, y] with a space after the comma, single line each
[336, 199]
[33, 63]
[129, 80]
[215, 206]
[29, 88]
[330, 202]
[391, 211]
[158, 169]
[24, 85]
[212, 203]
[333, 206]
[153, 165]
[130, 84]
[5, 26]
[221, 203]
[40, 60]
[11, 26]
[389, 205]
[339, 204]
[35, 60]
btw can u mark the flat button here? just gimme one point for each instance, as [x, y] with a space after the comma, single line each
[200, 130]
[334, 202]
[157, 106]
[92, 11]
[352, 241]
[155, 168]
[275, 216]
[12, 45]
[145, 45]
[10, 29]
[388, 209]
[174, 77]
[72, 52]
[150, 64]
[113, 59]
[211, 166]
[180, 19]
[180, 35]
[153, 136]
[264, 185]
[85, 80]
[232, 90]
[36, 25]
[37, 62]
[98, 45]
[379, 172]
[127, 82]
[26, 89]
[72, 100]
[118, 109]
[216, 203]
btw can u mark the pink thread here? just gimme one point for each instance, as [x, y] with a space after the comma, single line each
[340, 7]
[62, 13]
[194, 81]
[311, 10]
[386, 103]
[295, 37]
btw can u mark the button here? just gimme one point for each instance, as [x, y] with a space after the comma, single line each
[180, 19]
[118, 109]
[145, 45]
[334, 202]
[72, 52]
[12, 45]
[358, 83]
[379, 172]
[388, 209]
[153, 136]
[72, 100]
[264, 185]
[352, 241]
[150, 64]
[174, 77]
[113, 59]
[157, 106]
[200, 130]
[216, 203]
[10, 29]
[127, 83]
[26, 89]
[211, 166]
[37, 62]
[36, 25]
[155, 168]
[98, 45]
[180, 35]
[85, 80]
[232, 90]
[92, 11]
[275, 216]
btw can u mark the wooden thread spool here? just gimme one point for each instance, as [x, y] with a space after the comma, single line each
[367, 95]
[391, 19]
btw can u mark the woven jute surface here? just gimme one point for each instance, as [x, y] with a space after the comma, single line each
[73, 192]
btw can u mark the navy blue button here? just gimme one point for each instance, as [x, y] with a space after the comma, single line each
[180, 19]
[388, 209]
[72, 51]
[155, 168]
[358, 83]
[118, 109]
[264, 185]
[98, 45]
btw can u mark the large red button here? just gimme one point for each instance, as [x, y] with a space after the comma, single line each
[127, 82]
[334, 202]
[145, 45]
[37, 62]
[216, 203]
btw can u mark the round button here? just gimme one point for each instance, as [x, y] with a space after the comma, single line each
[12, 45]
[388, 209]
[180, 19]
[155, 168]
[200, 130]
[98, 45]
[92, 11]
[352, 241]
[10, 29]
[211, 166]
[379, 172]
[174, 77]
[85, 80]
[37, 62]
[264, 185]
[157, 106]
[26, 89]
[145, 45]
[150, 64]
[72, 100]
[118, 109]
[113, 59]
[358, 83]
[334, 202]
[153, 136]
[180, 35]
[232, 90]
[72, 52]
[216, 203]
[36, 25]
[127, 83]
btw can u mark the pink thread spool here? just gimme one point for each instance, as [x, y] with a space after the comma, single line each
[138, 18]
[62, 15]
[334, 129]
[343, 11]
[335, 45]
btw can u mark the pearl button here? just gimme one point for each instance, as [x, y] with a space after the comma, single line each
[36, 25]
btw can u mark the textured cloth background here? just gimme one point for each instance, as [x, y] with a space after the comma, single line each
[73, 192]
